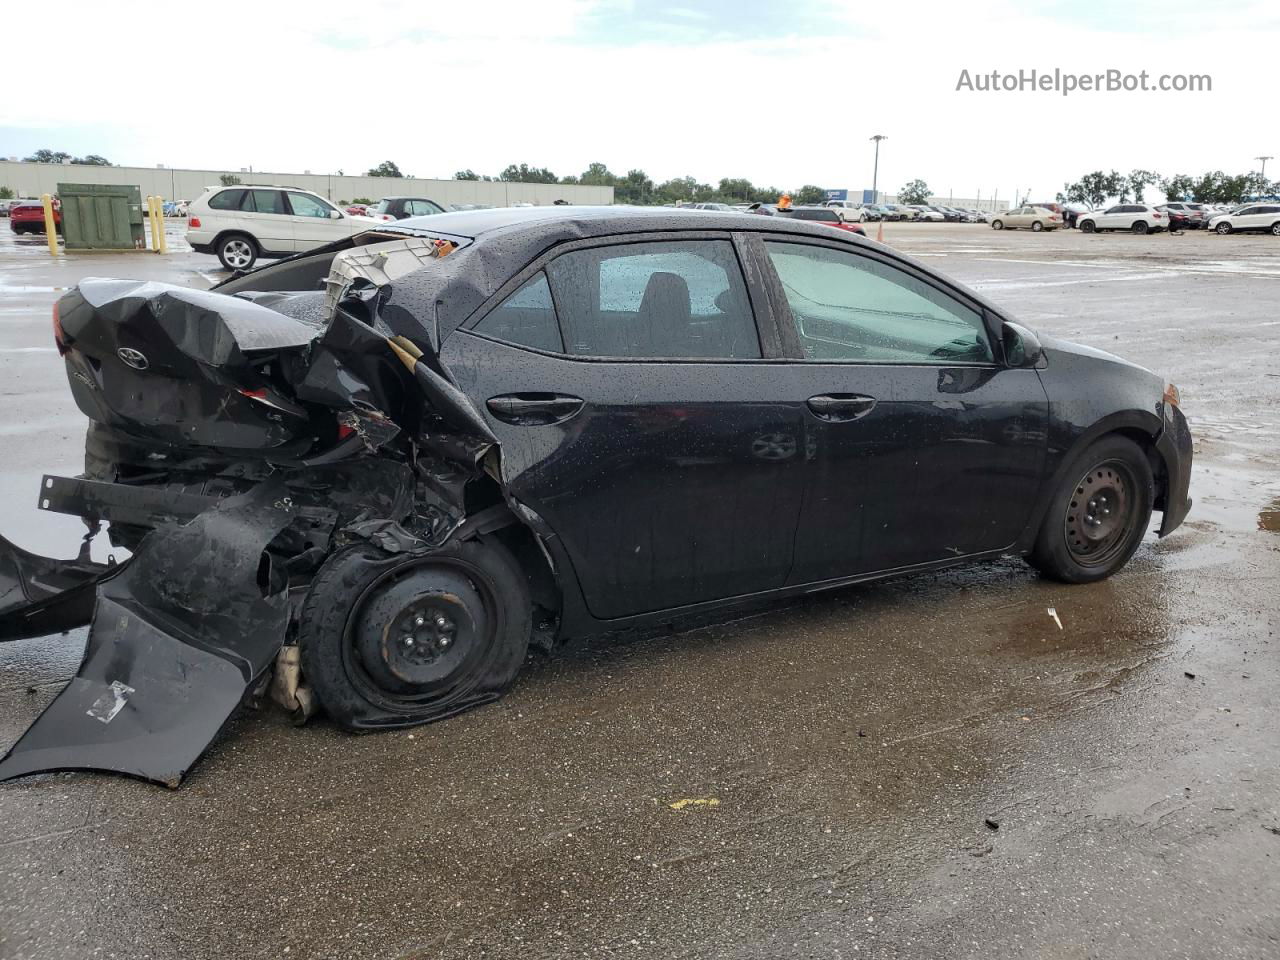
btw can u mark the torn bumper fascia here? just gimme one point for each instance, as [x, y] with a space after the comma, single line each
[177, 637]
[1174, 445]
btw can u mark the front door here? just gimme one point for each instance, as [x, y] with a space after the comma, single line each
[315, 222]
[638, 417]
[921, 445]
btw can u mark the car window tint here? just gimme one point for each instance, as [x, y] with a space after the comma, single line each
[852, 307]
[527, 318]
[677, 299]
[264, 201]
[307, 206]
[226, 200]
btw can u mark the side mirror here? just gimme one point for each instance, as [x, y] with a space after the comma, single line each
[1021, 347]
[335, 214]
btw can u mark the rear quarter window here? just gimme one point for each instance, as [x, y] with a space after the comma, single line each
[226, 200]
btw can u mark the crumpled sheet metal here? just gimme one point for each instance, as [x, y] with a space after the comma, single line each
[177, 638]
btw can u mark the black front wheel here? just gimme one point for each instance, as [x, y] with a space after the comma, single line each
[391, 640]
[1087, 226]
[1098, 515]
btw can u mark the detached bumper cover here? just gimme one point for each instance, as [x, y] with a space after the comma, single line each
[1175, 448]
[178, 636]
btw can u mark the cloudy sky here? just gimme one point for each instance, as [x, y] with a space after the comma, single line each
[780, 93]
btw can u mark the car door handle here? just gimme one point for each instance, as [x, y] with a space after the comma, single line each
[841, 406]
[533, 409]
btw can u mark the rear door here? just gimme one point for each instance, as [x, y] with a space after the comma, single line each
[265, 214]
[641, 416]
[921, 445]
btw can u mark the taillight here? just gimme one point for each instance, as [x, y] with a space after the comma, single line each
[1156, 216]
[59, 338]
[193, 222]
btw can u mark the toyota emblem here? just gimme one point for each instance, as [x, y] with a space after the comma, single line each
[134, 358]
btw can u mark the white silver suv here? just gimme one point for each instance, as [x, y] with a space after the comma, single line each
[247, 221]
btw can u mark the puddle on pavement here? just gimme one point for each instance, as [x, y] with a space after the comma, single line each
[1269, 517]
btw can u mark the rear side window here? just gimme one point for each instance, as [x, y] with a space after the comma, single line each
[681, 299]
[264, 201]
[422, 208]
[526, 318]
[852, 307]
[226, 200]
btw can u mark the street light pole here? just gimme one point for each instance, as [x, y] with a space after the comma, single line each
[875, 173]
[1264, 165]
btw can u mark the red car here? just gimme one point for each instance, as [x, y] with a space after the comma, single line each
[357, 210]
[823, 215]
[27, 216]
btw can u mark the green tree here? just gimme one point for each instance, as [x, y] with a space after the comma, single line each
[597, 175]
[46, 155]
[635, 187]
[809, 194]
[917, 191]
[365, 200]
[523, 173]
[6, 193]
[1094, 188]
[735, 190]
[93, 160]
[467, 174]
[1177, 187]
[229, 179]
[385, 169]
[1138, 180]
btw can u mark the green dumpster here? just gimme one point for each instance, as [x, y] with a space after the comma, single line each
[101, 216]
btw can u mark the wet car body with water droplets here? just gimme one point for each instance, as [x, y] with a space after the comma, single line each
[391, 464]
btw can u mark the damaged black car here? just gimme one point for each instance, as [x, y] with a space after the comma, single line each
[369, 477]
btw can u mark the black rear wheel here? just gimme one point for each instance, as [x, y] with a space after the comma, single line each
[390, 640]
[1140, 226]
[1087, 226]
[1098, 515]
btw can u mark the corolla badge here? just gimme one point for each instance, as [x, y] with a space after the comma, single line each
[134, 358]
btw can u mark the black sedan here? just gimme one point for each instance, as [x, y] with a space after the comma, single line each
[399, 460]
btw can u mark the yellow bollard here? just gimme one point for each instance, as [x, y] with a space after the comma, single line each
[151, 224]
[164, 247]
[50, 228]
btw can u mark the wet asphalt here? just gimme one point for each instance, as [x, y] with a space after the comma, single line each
[922, 768]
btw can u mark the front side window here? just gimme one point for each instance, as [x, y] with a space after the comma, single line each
[422, 208]
[851, 307]
[526, 318]
[305, 205]
[680, 299]
[264, 201]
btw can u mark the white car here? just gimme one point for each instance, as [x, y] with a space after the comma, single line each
[924, 213]
[850, 211]
[1252, 216]
[1134, 217]
[247, 221]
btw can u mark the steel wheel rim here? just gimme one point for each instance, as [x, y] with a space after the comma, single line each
[1099, 517]
[237, 253]
[467, 649]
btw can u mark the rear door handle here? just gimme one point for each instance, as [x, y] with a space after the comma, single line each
[534, 409]
[835, 407]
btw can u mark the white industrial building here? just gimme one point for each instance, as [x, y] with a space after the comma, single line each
[34, 179]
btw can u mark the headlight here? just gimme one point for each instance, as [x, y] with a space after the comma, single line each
[1171, 395]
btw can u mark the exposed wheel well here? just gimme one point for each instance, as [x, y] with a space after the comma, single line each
[1147, 444]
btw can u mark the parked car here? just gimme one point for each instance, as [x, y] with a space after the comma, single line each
[1027, 217]
[588, 419]
[27, 216]
[4, 207]
[874, 212]
[849, 210]
[927, 213]
[1192, 214]
[242, 223]
[1134, 217]
[824, 215]
[398, 208]
[1252, 216]
[708, 205]
[903, 211]
[357, 209]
